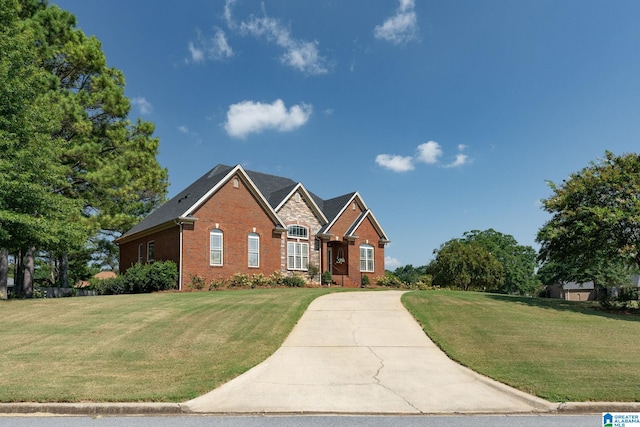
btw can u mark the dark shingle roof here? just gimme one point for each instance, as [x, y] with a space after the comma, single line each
[181, 203]
[273, 188]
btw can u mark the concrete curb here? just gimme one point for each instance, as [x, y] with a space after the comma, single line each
[87, 408]
[159, 409]
[597, 407]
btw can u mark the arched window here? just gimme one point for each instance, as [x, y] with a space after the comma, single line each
[297, 251]
[254, 250]
[297, 232]
[366, 258]
[216, 247]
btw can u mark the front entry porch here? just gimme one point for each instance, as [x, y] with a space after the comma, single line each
[337, 259]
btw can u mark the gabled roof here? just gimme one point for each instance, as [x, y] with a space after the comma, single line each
[272, 192]
[182, 202]
[356, 224]
[336, 206]
[287, 193]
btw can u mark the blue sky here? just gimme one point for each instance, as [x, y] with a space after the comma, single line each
[446, 116]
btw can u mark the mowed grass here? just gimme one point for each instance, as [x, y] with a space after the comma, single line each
[153, 347]
[558, 350]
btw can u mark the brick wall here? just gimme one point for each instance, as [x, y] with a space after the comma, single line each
[166, 248]
[237, 213]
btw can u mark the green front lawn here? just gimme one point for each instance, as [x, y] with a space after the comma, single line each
[152, 347]
[558, 350]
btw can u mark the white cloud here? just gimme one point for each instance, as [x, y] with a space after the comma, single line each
[299, 54]
[183, 129]
[401, 27]
[395, 163]
[215, 48]
[227, 13]
[429, 152]
[461, 159]
[197, 54]
[142, 104]
[391, 263]
[248, 117]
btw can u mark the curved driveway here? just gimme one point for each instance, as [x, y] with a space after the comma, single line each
[362, 352]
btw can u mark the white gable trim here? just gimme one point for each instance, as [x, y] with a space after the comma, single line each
[368, 214]
[353, 198]
[317, 211]
[237, 170]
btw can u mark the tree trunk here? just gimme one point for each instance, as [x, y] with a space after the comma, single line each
[29, 270]
[63, 274]
[4, 272]
[18, 274]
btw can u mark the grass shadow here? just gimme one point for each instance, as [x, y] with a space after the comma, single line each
[589, 308]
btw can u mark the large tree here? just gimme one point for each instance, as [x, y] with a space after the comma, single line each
[595, 221]
[518, 261]
[32, 213]
[467, 266]
[109, 162]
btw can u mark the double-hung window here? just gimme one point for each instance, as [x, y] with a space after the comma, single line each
[297, 250]
[298, 256]
[254, 250]
[366, 258]
[216, 247]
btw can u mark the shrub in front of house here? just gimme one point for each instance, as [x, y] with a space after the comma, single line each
[140, 278]
[388, 281]
[158, 276]
[294, 281]
[239, 281]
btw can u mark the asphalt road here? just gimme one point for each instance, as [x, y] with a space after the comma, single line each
[308, 421]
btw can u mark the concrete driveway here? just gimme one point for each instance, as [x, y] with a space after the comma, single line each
[362, 352]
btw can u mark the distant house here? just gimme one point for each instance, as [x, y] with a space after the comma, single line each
[232, 220]
[574, 291]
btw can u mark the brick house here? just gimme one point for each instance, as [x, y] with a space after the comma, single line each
[236, 221]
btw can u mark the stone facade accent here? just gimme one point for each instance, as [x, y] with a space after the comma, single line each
[297, 211]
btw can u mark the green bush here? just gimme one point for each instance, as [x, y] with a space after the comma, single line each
[313, 270]
[158, 276]
[111, 286]
[294, 281]
[327, 278]
[365, 281]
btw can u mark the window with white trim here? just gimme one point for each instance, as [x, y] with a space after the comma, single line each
[297, 256]
[254, 250]
[366, 258]
[215, 247]
[297, 232]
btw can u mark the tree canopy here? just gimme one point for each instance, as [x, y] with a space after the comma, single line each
[594, 230]
[73, 165]
[467, 266]
[518, 261]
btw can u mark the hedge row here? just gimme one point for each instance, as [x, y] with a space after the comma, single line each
[140, 278]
